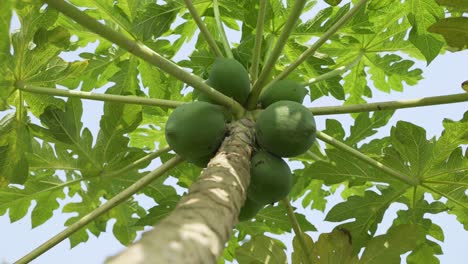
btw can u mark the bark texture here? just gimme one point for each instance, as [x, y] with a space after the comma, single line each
[203, 220]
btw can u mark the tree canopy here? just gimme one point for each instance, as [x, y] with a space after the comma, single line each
[344, 51]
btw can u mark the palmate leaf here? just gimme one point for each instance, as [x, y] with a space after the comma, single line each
[43, 187]
[273, 219]
[367, 211]
[65, 127]
[261, 249]
[421, 14]
[15, 143]
[333, 248]
[415, 216]
[337, 247]
[119, 119]
[40, 65]
[453, 29]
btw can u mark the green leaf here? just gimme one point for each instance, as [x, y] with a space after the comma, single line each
[44, 188]
[334, 248]
[5, 20]
[460, 5]
[15, 142]
[454, 30]
[388, 248]
[155, 20]
[343, 167]
[367, 211]
[261, 249]
[365, 126]
[421, 14]
[390, 71]
[333, 2]
[411, 143]
[299, 254]
[158, 212]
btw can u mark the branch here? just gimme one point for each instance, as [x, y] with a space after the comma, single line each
[113, 202]
[203, 29]
[276, 52]
[99, 97]
[390, 105]
[340, 145]
[258, 41]
[297, 230]
[142, 51]
[219, 24]
[335, 72]
[311, 50]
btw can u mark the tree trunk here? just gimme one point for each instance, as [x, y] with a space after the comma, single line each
[203, 220]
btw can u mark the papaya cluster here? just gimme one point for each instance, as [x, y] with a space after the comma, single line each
[285, 128]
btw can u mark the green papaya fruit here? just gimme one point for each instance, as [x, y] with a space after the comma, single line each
[283, 90]
[195, 130]
[270, 178]
[229, 77]
[285, 128]
[249, 210]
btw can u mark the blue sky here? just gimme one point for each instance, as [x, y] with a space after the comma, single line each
[443, 76]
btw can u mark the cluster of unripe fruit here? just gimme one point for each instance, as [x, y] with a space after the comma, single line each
[285, 128]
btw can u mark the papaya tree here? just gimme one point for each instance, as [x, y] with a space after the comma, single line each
[223, 116]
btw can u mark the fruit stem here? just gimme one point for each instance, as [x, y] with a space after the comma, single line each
[335, 72]
[203, 29]
[312, 49]
[113, 202]
[297, 230]
[288, 28]
[144, 52]
[100, 97]
[222, 33]
[390, 105]
[258, 41]
[393, 173]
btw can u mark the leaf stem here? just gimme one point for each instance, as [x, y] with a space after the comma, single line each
[297, 229]
[340, 145]
[447, 182]
[100, 97]
[113, 202]
[450, 198]
[314, 156]
[222, 33]
[293, 17]
[258, 41]
[390, 105]
[311, 50]
[335, 72]
[144, 52]
[203, 29]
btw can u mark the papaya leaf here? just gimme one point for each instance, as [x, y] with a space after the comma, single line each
[387, 248]
[459, 5]
[15, 143]
[453, 29]
[367, 212]
[43, 187]
[299, 254]
[334, 248]
[274, 219]
[261, 249]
